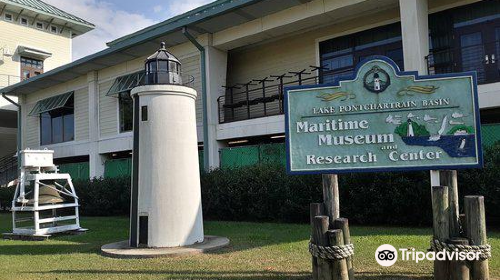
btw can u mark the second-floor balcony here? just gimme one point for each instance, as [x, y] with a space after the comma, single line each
[264, 97]
[261, 98]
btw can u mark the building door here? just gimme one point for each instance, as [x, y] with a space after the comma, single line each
[478, 48]
[493, 49]
[30, 67]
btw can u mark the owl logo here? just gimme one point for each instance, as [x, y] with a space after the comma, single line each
[376, 80]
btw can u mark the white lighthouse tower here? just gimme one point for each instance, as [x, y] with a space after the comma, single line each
[166, 196]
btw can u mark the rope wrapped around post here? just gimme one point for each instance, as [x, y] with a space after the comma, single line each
[483, 250]
[331, 252]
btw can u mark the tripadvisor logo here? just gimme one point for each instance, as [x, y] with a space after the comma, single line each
[387, 255]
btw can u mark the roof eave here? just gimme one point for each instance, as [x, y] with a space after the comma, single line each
[217, 7]
[85, 24]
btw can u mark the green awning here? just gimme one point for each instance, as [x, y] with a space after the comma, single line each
[51, 103]
[126, 83]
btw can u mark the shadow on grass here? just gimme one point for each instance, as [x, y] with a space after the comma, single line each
[233, 275]
[31, 248]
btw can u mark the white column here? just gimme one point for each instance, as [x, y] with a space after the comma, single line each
[216, 67]
[415, 32]
[96, 161]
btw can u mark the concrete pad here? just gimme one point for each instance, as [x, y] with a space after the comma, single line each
[123, 251]
[41, 237]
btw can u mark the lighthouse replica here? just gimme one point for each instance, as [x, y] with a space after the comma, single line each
[165, 196]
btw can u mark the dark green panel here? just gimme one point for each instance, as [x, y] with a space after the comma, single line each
[490, 133]
[117, 168]
[273, 153]
[78, 171]
[239, 156]
[200, 159]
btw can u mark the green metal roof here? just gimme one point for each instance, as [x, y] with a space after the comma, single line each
[51, 103]
[42, 7]
[126, 83]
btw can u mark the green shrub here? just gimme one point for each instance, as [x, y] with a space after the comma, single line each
[6, 196]
[267, 193]
[104, 197]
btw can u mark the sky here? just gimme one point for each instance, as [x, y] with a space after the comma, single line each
[117, 18]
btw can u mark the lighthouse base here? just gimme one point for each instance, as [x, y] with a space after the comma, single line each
[122, 249]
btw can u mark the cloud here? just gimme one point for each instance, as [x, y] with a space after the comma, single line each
[111, 23]
[178, 7]
[157, 8]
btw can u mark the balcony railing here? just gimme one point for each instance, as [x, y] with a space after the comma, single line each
[482, 58]
[8, 80]
[261, 98]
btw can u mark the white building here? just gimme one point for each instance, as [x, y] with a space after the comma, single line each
[35, 37]
[241, 43]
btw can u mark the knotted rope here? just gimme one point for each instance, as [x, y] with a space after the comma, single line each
[335, 252]
[483, 250]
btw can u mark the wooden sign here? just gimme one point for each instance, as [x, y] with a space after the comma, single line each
[382, 119]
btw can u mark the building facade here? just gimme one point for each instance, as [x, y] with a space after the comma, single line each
[34, 38]
[248, 51]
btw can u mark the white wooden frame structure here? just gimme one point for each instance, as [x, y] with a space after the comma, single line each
[35, 175]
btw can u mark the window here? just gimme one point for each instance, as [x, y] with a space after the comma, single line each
[340, 55]
[8, 17]
[39, 25]
[23, 21]
[465, 39]
[30, 67]
[58, 125]
[144, 113]
[126, 108]
[53, 29]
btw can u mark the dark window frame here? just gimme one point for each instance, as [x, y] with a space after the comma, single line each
[31, 66]
[449, 53]
[347, 51]
[125, 112]
[48, 135]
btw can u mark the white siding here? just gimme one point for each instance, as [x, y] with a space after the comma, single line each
[191, 67]
[82, 114]
[108, 111]
[32, 128]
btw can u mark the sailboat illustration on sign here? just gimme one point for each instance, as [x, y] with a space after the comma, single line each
[440, 131]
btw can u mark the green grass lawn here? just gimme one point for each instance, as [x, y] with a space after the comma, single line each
[257, 251]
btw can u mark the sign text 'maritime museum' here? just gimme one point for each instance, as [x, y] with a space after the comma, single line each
[384, 119]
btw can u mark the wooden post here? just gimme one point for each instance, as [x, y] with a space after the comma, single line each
[316, 209]
[331, 196]
[320, 228]
[339, 267]
[476, 232]
[343, 224]
[459, 270]
[463, 223]
[441, 226]
[449, 178]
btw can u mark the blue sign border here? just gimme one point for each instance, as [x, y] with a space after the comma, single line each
[416, 76]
